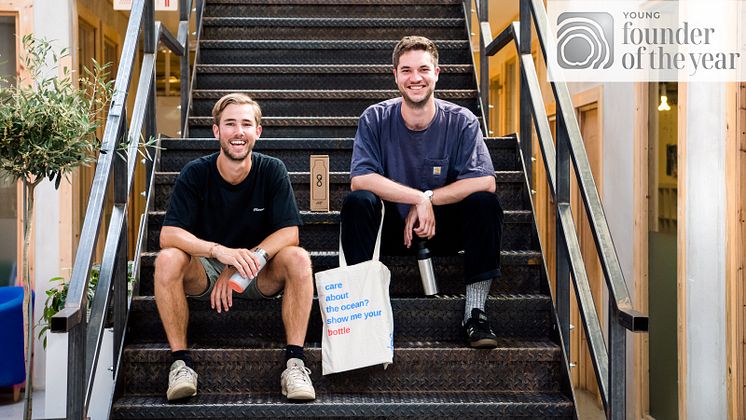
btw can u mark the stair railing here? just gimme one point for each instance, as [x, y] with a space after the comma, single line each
[85, 330]
[609, 365]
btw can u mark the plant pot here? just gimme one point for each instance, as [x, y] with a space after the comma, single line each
[56, 377]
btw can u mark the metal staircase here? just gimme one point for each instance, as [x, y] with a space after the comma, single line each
[314, 66]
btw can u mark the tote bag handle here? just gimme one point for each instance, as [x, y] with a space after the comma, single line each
[376, 249]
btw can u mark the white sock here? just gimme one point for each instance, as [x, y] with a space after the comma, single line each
[476, 296]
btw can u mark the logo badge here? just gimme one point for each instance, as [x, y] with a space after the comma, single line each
[436, 170]
[585, 40]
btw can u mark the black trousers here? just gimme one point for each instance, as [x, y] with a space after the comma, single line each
[473, 225]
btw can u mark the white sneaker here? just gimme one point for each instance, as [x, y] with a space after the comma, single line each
[182, 381]
[295, 382]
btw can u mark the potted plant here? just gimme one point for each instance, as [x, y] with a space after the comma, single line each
[47, 129]
[56, 345]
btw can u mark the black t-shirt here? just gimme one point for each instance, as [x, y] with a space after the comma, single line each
[236, 216]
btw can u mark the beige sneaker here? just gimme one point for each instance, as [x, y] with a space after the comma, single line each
[295, 382]
[182, 381]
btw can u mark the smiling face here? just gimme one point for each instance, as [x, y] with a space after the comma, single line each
[416, 75]
[237, 131]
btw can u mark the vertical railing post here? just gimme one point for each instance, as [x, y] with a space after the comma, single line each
[119, 280]
[184, 12]
[484, 65]
[617, 366]
[76, 367]
[562, 259]
[525, 133]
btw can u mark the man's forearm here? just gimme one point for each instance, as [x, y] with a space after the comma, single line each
[457, 191]
[279, 239]
[175, 237]
[387, 189]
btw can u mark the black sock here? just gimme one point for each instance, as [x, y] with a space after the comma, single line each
[183, 355]
[296, 352]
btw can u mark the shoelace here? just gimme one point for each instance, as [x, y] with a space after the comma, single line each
[299, 373]
[183, 373]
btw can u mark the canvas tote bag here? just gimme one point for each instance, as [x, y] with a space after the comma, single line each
[356, 313]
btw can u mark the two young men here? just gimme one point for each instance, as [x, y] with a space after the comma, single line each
[424, 158]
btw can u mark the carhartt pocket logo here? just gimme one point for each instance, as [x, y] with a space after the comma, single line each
[436, 170]
[258, 209]
[585, 40]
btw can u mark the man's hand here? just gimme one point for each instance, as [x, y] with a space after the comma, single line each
[245, 262]
[221, 297]
[420, 220]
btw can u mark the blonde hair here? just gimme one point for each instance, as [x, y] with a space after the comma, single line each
[409, 43]
[237, 99]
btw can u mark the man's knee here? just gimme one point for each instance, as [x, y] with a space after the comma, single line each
[297, 263]
[360, 200]
[483, 201]
[170, 265]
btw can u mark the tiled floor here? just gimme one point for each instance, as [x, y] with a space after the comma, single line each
[14, 411]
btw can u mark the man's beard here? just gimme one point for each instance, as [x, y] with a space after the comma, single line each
[419, 104]
[226, 147]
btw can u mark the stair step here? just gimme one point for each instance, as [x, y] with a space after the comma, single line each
[332, 28]
[320, 231]
[446, 9]
[462, 404]
[321, 105]
[509, 187]
[515, 365]
[519, 275]
[303, 51]
[415, 319]
[295, 152]
[339, 76]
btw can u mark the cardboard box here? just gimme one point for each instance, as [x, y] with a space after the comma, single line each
[319, 182]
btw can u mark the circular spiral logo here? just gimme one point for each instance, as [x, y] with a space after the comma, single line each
[585, 40]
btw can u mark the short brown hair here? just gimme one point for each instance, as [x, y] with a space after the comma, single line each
[409, 43]
[237, 99]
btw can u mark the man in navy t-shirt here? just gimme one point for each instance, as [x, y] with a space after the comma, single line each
[426, 159]
[229, 213]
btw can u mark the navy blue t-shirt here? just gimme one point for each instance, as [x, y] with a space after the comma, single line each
[236, 216]
[449, 149]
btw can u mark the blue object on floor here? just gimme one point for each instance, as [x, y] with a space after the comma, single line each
[12, 368]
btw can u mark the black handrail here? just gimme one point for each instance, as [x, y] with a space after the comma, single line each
[84, 335]
[610, 366]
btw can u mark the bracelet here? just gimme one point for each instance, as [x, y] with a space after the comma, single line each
[212, 248]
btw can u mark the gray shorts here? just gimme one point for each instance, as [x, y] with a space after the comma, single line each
[213, 268]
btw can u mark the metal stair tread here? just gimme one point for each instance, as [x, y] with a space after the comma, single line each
[503, 343]
[354, 22]
[338, 2]
[165, 177]
[305, 44]
[315, 68]
[289, 121]
[508, 257]
[294, 143]
[393, 403]
[326, 93]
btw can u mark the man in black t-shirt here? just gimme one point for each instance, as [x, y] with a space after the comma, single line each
[228, 212]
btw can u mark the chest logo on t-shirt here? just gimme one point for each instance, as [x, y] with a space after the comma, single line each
[436, 170]
[258, 209]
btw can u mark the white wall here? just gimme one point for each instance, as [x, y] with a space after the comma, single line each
[53, 19]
